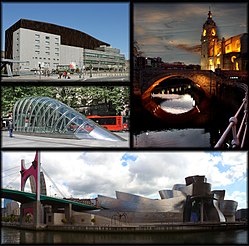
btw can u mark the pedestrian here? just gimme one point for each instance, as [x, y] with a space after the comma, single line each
[65, 74]
[68, 75]
[10, 128]
[26, 124]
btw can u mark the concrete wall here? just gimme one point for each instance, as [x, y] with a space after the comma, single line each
[55, 218]
[33, 46]
[118, 218]
[70, 54]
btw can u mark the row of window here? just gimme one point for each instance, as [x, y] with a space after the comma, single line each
[46, 52]
[104, 56]
[35, 57]
[46, 37]
[47, 47]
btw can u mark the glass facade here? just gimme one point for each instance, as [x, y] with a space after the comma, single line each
[49, 117]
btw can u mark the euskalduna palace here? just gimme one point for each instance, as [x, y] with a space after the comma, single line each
[38, 44]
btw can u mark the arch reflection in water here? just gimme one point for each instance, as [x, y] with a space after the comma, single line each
[45, 116]
[177, 104]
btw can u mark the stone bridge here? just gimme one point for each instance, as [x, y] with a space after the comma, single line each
[206, 79]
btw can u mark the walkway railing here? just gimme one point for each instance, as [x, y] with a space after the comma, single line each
[233, 121]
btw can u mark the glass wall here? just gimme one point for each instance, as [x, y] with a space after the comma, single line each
[47, 116]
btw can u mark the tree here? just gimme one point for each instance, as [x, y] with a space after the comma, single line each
[10, 94]
[114, 97]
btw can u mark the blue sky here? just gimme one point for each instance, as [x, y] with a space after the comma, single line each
[87, 174]
[172, 31]
[108, 22]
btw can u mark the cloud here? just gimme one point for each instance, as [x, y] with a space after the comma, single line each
[191, 49]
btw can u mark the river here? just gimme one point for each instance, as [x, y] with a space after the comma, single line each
[184, 117]
[17, 236]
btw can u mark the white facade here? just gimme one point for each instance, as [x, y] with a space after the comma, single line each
[35, 48]
[71, 54]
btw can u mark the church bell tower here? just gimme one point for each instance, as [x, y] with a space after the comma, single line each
[209, 40]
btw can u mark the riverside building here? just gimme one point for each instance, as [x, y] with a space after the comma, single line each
[225, 54]
[41, 45]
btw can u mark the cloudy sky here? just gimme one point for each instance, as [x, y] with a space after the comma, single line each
[87, 174]
[173, 30]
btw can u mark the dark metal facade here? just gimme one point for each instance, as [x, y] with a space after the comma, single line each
[70, 37]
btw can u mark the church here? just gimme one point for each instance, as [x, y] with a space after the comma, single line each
[225, 54]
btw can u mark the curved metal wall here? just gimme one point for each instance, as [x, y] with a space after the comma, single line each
[132, 203]
[44, 115]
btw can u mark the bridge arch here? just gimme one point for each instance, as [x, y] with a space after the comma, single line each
[155, 109]
[31, 172]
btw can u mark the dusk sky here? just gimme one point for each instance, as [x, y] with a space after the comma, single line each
[87, 174]
[108, 22]
[172, 31]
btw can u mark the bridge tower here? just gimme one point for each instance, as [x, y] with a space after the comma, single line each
[209, 42]
[33, 209]
[32, 173]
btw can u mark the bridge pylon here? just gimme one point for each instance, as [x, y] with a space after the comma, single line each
[34, 208]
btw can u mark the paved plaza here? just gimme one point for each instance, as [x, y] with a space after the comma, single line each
[100, 77]
[26, 141]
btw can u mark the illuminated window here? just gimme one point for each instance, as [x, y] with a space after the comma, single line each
[218, 61]
[237, 45]
[236, 66]
[210, 62]
[228, 48]
[233, 58]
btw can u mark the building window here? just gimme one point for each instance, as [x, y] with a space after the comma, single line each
[57, 49]
[47, 48]
[37, 41]
[57, 54]
[37, 52]
[48, 58]
[47, 42]
[47, 37]
[228, 48]
[37, 35]
[57, 44]
[37, 47]
[237, 66]
[47, 53]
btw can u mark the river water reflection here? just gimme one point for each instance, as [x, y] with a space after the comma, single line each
[179, 115]
[178, 104]
[16, 236]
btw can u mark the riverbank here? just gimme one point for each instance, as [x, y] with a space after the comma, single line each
[149, 228]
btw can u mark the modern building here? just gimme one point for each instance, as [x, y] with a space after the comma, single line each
[45, 116]
[11, 208]
[43, 45]
[190, 202]
[226, 53]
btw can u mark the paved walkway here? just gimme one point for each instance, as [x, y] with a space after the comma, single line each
[54, 78]
[25, 141]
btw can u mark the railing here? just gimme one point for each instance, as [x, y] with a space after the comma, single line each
[233, 121]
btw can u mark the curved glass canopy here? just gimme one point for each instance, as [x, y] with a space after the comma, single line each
[46, 116]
